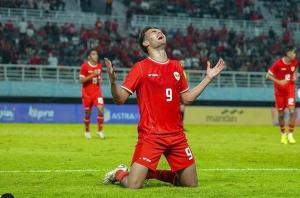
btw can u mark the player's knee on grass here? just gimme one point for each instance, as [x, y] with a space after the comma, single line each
[135, 181]
[135, 185]
[189, 183]
[188, 176]
[137, 176]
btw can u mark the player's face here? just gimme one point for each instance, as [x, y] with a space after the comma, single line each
[155, 38]
[291, 54]
[93, 56]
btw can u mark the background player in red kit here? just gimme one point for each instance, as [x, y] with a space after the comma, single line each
[160, 85]
[283, 73]
[90, 77]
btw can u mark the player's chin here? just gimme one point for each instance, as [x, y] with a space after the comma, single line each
[164, 41]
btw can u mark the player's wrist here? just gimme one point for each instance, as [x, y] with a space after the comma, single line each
[209, 78]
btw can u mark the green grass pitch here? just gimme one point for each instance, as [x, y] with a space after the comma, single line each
[55, 160]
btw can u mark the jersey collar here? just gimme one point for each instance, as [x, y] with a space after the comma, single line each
[90, 64]
[158, 62]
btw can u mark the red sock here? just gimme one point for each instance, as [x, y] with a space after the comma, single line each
[291, 128]
[100, 120]
[163, 175]
[86, 124]
[120, 174]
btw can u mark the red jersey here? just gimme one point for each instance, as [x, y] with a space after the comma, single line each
[92, 87]
[158, 87]
[283, 71]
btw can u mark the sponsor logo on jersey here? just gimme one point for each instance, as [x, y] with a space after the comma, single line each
[283, 69]
[145, 159]
[176, 75]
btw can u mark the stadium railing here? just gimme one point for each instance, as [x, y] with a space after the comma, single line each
[68, 74]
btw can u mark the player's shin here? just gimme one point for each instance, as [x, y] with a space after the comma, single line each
[86, 122]
[291, 138]
[291, 121]
[281, 123]
[100, 121]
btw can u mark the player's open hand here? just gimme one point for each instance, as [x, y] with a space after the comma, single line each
[97, 72]
[110, 70]
[213, 72]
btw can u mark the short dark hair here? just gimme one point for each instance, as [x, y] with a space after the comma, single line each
[88, 53]
[289, 48]
[142, 35]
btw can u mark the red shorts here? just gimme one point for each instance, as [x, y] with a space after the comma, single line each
[89, 101]
[285, 100]
[174, 147]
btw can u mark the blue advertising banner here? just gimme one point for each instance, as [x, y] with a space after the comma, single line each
[65, 113]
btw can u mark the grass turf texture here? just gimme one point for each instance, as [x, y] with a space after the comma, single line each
[229, 162]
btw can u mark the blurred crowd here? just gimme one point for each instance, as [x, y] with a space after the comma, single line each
[287, 10]
[66, 45]
[242, 52]
[23, 43]
[45, 5]
[221, 9]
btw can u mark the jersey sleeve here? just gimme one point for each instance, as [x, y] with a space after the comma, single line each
[273, 69]
[133, 79]
[83, 71]
[183, 82]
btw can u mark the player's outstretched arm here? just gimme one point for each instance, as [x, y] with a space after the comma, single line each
[119, 94]
[189, 96]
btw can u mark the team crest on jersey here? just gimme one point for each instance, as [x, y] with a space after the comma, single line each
[293, 68]
[176, 75]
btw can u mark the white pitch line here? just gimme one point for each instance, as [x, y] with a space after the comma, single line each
[205, 169]
[50, 171]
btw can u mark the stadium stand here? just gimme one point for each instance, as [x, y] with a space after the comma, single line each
[45, 5]
[23, 43]
[229, 9]
[287, 11]
[61, 38]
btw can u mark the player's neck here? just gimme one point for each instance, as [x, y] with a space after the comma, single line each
[286, 60]
[158, 55]
[92, 63]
